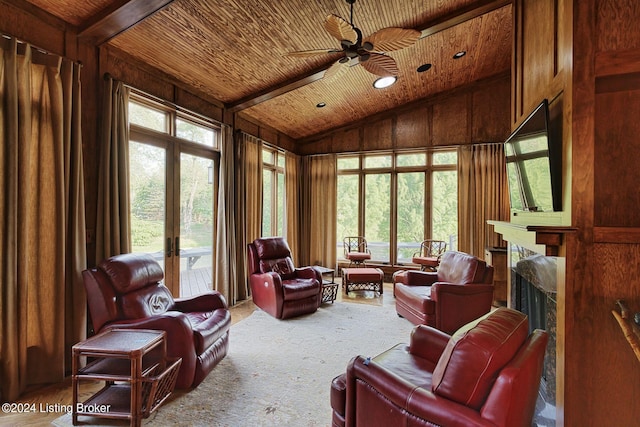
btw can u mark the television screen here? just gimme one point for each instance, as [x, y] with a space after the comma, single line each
[532, 165]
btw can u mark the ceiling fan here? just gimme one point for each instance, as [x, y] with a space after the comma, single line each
[368, 52]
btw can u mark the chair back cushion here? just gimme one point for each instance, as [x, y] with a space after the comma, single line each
[476, 353]
[146, 302]
[136, 280]
[460, 268]
[273, 254]
[129, 272]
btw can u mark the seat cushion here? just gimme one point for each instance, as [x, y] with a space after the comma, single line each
[416, 297]
[426, 261]
[362, 275]
[476, 353]
[358, 256]
[208, 327]
[296, 289]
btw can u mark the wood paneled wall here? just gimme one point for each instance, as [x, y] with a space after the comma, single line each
[475, 114]
[585, 53]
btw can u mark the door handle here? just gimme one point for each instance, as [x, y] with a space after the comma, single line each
[177, 246]
[169, 247]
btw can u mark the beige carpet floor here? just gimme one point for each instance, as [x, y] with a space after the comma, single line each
[278, 373]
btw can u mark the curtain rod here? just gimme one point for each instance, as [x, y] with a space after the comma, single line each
[37, 48]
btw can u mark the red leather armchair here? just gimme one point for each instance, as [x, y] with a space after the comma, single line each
[486, 374]
[126, 291]
[277, 287]
[459, 292]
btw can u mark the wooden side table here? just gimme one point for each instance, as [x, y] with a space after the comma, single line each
[134, 367]
[329, 287]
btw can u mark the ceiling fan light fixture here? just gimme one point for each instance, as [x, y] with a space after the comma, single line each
[384, 82]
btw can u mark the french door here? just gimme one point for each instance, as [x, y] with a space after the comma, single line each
[172, 194]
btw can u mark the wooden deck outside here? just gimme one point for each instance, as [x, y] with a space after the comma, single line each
[195, 281]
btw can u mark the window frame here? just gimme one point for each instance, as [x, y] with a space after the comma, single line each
[394, 170]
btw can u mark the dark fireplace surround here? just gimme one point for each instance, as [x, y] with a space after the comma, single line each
[533, 291]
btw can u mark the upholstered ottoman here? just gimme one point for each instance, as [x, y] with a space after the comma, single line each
[362, 279]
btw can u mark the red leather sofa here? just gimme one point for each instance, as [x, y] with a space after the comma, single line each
[460, 291]
[126, 291]
[486, 374]
[277, 287]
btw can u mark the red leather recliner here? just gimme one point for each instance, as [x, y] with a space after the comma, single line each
[277, 287]
[487, 374]
[459, 292]
[126, 291]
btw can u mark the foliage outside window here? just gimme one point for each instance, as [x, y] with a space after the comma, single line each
[173, 169]
[396, 200]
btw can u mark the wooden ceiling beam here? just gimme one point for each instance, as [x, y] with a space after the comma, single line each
[119, 17]
[459, 16]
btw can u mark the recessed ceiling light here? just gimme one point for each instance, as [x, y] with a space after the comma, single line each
[460, 54]
[423, 68]
[383, 82]
[321, 104]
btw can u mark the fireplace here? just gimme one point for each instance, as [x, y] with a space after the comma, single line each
[533, 291]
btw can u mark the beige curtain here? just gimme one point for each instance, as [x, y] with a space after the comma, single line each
[292, 200]
[42, 224]
[482, 195]
[113, 235]
[319, 211]
[249, 200]
[227, 277]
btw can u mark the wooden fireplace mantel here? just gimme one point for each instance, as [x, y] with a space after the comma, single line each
[542, 239]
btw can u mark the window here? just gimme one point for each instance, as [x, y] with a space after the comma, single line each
[396, 200]
[173, 168]
[273, 191]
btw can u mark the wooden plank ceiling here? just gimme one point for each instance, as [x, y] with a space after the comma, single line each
[235, 51]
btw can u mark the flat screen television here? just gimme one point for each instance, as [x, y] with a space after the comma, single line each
[534, 164]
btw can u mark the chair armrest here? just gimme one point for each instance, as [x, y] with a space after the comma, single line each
[270, 280]
[410, 397]
[420, 278]
[308, 273]
[428, 343]
[439, 289]
[204, 302]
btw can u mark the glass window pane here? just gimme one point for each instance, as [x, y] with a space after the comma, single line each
[147, 117]
[445, 158]
[196, 133]
[267, 157]
[147, 198]
[347, 210]
[279, 202]
[377, 161]
[196, 222]
[410, 222]
[444, 223]
[345, 163]
[377, 214]
[267, 198]
[413, 159]
[281, 161]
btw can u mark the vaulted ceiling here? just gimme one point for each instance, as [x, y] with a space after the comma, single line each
[235, 51]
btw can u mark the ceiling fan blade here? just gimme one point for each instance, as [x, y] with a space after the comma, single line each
[335, 71]
[340, 29]
[392, 38]
[303, 53]
[380, 65]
